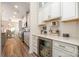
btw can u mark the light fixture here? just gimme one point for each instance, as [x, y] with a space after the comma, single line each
[15, 6]
[13, 16]
[15, 12]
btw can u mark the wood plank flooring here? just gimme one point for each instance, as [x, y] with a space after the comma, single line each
[15, 48]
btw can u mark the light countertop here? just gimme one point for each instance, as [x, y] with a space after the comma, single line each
[74, 41]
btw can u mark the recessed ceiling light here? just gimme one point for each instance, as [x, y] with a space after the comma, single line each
[15, 6]
[13, 16]
[15, 12]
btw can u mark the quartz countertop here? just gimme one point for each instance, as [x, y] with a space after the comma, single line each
[70, 40]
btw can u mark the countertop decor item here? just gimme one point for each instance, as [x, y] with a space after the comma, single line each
[66, 35]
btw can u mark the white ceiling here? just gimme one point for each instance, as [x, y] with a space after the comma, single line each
[8, 9]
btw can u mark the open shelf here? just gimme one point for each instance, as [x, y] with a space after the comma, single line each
[71, 20]
[43, 24]
[52, 19]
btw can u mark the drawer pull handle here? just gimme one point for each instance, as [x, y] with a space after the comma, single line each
[59, 56]
[62, 46]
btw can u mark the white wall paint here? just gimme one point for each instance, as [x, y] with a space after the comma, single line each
[78, 29]
[71, 28]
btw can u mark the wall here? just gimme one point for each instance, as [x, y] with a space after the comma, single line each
[71, 27]
[78, 28]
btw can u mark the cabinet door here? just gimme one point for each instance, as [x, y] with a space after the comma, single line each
[68, 10]
[65, 48]
[35, 44]
[46, 10]
[40, 16]
[55, 9]
[43, 13]
[60, 53]
[26, 37]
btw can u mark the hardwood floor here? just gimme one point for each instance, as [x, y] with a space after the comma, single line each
[15, 48]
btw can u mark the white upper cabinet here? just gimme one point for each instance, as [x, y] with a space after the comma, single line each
[48, 11]
[69, 10]
[65, 10]
[54, 9]
[40, 17]
[43, 12]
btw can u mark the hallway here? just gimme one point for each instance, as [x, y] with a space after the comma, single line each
[14, 47]
[16, 16]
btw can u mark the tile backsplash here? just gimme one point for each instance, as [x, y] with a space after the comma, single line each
[72, 28]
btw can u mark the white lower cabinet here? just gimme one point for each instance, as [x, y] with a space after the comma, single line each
[35, 44]
[60, 53]
[61, 49]
[26, 37]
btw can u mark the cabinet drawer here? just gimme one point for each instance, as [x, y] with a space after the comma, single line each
[35, 41]
[35, 49]
[35, 44]
[67, 47]
[59, 53]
